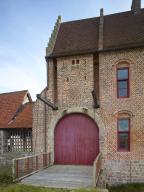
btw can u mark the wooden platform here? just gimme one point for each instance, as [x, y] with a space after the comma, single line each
[62, 176]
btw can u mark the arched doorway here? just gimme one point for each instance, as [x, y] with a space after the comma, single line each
[76, 140]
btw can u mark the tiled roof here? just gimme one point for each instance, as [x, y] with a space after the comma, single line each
[121, 30]
[124, 30]
[10, 104]
[81, 35]
[24, 118]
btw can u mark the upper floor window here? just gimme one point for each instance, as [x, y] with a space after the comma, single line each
[123, 134]
[75, 62]
[123, 82]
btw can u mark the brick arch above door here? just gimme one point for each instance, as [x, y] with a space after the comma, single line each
[94, 114]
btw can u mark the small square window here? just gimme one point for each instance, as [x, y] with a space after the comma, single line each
[123, 93]
[122, 74]
[73, 62]
[123, 125]
[77, 61]
[123, 141]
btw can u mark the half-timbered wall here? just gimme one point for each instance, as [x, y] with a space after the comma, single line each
[16, 140]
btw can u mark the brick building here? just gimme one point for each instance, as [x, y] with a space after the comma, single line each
[15, 122]
[93, 102]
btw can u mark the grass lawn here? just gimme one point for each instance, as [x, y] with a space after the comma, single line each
[128, 188]
[24, 188]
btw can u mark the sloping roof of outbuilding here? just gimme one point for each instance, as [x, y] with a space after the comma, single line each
[13, 113]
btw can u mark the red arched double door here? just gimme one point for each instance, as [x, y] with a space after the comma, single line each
[76, 140]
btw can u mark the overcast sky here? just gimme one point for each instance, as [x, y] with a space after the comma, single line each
[25, 27]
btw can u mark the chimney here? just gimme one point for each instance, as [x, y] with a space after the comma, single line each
[136, 6]
[101, 26]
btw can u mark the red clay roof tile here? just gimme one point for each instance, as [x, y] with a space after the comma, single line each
[24, 118]
[9, 104]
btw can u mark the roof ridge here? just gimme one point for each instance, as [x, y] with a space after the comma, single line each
[14, 92]
[123, 12]
[28, 103]
[111, 14]
[72, 21]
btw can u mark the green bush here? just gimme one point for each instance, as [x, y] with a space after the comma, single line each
[133, 187]
[6, 179]
[5, 175]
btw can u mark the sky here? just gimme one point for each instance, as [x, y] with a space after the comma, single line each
[25, 28]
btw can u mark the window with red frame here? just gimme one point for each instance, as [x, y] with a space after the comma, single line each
[123, 134]
[122, 82]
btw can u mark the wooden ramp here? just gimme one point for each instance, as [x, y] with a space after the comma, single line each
[62, 176]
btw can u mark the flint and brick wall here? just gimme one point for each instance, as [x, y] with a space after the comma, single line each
[74, 86]
[124, 171]
[38, 127]
[123, 166]
[75, 82]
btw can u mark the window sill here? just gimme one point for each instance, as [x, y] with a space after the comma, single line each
[122, 150]
[123, 97]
